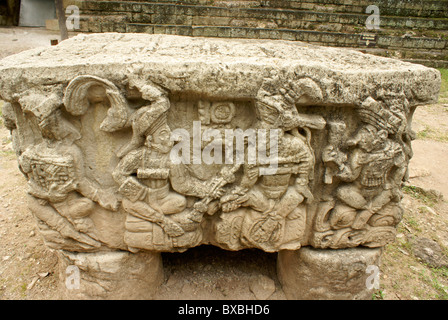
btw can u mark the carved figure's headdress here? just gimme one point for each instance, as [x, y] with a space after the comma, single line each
[277, 106]
[160, 122]
[59, 126]
[76, 101]
[374, 113]
[148, 119]
[267, 114]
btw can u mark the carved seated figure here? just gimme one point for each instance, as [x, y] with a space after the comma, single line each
[374, 172]
[266, 211]
[143, 176]
[61, 197]
[158, 217]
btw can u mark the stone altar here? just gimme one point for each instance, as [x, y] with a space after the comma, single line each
[136, 144]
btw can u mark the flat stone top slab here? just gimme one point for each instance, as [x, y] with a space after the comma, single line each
[230, 67]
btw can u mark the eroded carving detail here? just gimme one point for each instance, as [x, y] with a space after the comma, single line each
[366, 205]
[268, 211]
[62, 197]
[90, 91]
[158, 217]
[171, 206]
[136, 144]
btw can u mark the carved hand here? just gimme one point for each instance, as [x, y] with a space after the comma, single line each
[233, 201]
[218, 193]
[329, 154]
[291, 92]
[108, 200]
[65, 188]
[172, 228]
[305, 192]
[252, 173]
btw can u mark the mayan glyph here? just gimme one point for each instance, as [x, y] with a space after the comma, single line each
[135, 144]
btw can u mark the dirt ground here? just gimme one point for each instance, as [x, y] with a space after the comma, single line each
[28, 270]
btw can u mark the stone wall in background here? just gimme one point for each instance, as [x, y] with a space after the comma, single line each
[412, 30]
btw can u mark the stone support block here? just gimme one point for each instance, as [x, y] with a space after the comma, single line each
[111, 275]
[319, 274]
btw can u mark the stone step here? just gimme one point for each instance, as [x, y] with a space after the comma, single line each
[405, 8]
[157, 13]
[401, 35]
[429, 63]
[396, 47]
[409, 8]
[427, 58]
[327, 38]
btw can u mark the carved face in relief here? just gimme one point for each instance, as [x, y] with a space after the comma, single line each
[369, 138]
[160, 139]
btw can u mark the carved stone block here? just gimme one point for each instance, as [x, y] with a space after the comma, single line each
[155, 143]
[342, 274]
[116, 275]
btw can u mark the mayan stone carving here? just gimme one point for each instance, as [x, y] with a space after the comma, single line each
[135, 144]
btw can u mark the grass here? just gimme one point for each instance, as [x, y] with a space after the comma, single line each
[408, 276]
[378, 295]
[443, 96]
[432, 279]
[9, 154]
[427, 197]
[436, 135]
[421, 281]
[413, 223]
[441, 272]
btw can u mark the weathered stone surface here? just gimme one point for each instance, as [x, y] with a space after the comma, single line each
[109, 275]
[168, 60]
[150, 143]
[310, 274]
[262, 287]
